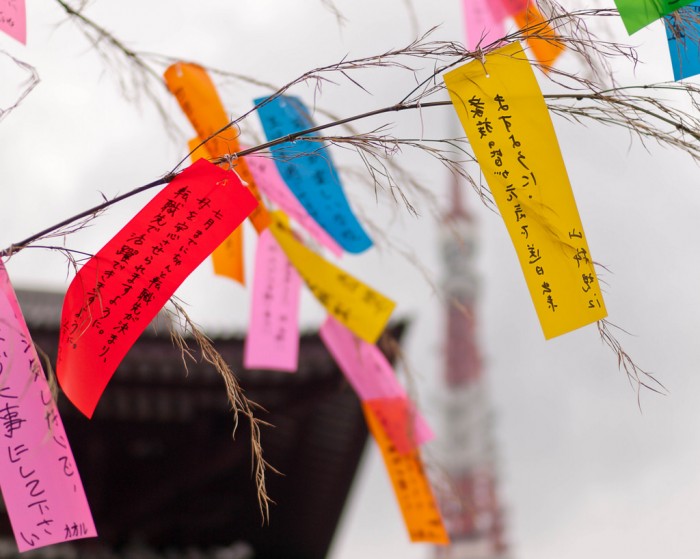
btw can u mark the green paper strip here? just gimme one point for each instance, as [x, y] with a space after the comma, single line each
[637, 14]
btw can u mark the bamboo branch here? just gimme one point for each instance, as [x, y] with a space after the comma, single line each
[607, 98]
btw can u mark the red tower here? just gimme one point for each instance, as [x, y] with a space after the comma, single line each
[469, 501]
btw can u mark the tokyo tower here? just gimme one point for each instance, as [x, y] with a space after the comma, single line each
[469, 500]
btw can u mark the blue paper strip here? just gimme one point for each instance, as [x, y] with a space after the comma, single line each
[309, 172]
[683, 34]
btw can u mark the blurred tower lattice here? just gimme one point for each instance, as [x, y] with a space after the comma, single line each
[468, 499]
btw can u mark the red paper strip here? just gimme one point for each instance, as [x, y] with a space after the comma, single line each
[121, 289]
[398, 419]
[512, 7]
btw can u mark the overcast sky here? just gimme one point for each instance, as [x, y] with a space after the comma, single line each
[584, 472]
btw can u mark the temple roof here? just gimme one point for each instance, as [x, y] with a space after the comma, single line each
[162, 471]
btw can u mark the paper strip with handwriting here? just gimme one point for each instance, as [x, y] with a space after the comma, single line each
[359, 307]
[309, 172]
[541, 37]
[683, 34]
[40, 483]
[411, 486]
[200, 101]
[227, 258]
[637, 14]
[511, 133]
[372, 377]
[482, 22]
[268, 179]
[121, 289]
[272, 341]
[13, 19]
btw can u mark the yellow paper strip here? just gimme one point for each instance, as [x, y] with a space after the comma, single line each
[541, 37]
[360, 308]
[199, 100]
[511, 133]
[228, 257]
[416, 501]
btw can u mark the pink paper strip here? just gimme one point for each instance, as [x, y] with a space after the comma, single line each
[13, 19]
[273, 335]
[484, 22]
[269, 180]
[367, 370]
[39, 480]
[498, 9]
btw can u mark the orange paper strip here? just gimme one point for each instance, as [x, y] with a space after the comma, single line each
[541, 38]
[418, 506]
[121, 289]
[228, 259]
[199, 100]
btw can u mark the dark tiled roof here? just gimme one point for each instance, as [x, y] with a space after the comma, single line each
[161, 469]
[41, 309]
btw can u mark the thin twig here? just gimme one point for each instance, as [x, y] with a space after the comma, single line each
[636, 376]
[16, 247]
[30, 83]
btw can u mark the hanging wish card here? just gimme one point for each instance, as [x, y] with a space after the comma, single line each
[272, 341]
[356, 305]
[13, 19]
[308, 170]
[483, 21]
[121, 289]
[504, 115]
[540, 36]
[411, 486]
[39, 479]
[683, 34]
[228, 259]
[373, 378]
[637, 14]
[271, 183]
[199, 100]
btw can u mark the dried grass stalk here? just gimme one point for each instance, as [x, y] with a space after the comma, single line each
[240, 404]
